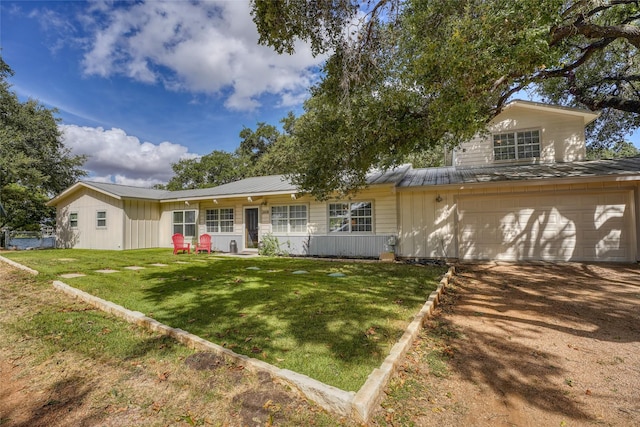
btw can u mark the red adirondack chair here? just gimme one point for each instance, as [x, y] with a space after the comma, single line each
[204, 244]
[179, 244]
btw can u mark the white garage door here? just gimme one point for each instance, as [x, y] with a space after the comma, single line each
[547, 226]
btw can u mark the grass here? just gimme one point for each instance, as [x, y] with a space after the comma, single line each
[75, 365]
[333, 329]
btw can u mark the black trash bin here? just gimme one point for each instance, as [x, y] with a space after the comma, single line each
[233, 247]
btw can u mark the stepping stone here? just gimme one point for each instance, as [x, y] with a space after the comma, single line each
[336, 275]
[199, 260]
[300, 272]
[160, 265]
[134, 267]
[182, 262]
[72, 275]
[253, 268]
[66, 259]
[106, 271]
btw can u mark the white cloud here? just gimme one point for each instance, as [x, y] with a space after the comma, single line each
[206, 47]
[114, 156]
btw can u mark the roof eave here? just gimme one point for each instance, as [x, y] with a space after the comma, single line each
[527, 182]
[227, 196]
[66, 193]
[587, 116]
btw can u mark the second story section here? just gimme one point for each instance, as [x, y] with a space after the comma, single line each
[528, 132]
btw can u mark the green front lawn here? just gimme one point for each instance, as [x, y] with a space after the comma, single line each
[333, 329]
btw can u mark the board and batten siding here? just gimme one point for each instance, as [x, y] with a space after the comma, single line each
[86, 203]
[561, 138]
[141, 224]
[432, 227]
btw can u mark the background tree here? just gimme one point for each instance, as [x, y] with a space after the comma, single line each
[263, 151]
[34, 163]
[416, 74]
[281, 155]
[619, 150]
[210, 170]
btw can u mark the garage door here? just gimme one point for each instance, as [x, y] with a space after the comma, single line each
[547, 226]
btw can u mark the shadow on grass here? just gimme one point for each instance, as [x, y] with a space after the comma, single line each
[270, 313]
[60, 402]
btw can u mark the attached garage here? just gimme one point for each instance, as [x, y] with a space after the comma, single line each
[554, 226]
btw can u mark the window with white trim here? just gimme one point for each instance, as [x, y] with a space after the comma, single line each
[219, 220]
[351, 217]
[289, 219]
[184, 222]
[516, 145]
[101, 219]
[73, 220]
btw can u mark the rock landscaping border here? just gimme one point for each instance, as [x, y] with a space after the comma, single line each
[357, 405]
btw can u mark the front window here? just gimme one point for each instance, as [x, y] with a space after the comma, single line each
[73, 220]
[101, 219]
[350, 217]
[184, 222]
[516, 145]
[289, 219]
[219, 220]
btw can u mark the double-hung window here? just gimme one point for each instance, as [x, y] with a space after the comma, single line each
[516, 145]
[219, 220]
[101, 219]
[184, 222]
[351, 217]
[73, 220]
[289, 219]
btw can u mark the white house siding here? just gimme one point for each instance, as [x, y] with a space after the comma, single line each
[385, 225]
[427, 226]
[562, 137]
[571, 222]
[165, 226]
[87, 235]
[141, 220]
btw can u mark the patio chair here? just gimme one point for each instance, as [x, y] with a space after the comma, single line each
[179, 244]
[204, 244]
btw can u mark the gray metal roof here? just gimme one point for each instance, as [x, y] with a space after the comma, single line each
[272, 184]
[403, 176]
[254, 185]
[452, 176]
[128, 191]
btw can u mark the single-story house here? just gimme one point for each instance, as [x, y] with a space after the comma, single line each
[520, 191]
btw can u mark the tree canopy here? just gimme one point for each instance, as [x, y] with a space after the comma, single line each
[34, 163]
[406, 76]
[263, 151]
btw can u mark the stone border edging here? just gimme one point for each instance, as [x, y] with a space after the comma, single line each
[371, 393]
[18, 265]
[330, 398]
[359, 406]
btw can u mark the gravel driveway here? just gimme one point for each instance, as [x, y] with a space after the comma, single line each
[539, 344]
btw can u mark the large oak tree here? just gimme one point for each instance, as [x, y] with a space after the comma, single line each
[34, 163]
[405, 76]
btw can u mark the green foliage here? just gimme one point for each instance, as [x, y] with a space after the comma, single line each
[408, 76]
[620, 150]
[270, 246]
[216, 168]
[34, 163]
[265, 151]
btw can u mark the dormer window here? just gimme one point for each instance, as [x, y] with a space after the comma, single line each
[516, 145]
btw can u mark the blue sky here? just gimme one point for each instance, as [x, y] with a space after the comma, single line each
[140, 85]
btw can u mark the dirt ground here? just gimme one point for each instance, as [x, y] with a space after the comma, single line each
[527, 345]
[510, 345]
